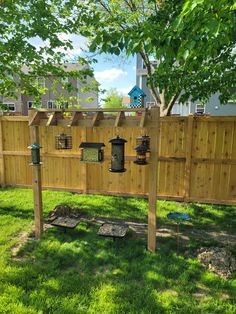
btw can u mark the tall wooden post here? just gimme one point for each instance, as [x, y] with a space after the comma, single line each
[36, 184]
[2, 166]
[153, 176]
[187, 170]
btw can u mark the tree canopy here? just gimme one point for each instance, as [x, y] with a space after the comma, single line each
[23, 21]
[113, 99]
[192, 40]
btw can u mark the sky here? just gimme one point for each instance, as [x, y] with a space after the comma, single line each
[110, 71]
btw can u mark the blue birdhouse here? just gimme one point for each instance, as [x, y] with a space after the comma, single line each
[136, 97]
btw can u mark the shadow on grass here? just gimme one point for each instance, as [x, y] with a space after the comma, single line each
[80, 272]
[219, 217]
[15, 212]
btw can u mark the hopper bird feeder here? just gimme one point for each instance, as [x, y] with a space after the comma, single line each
[117, 154]
[141, 151]
[144, 140]
[92, 152]
[35, 153]
[63, 141]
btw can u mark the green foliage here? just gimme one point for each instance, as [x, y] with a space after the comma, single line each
[201, 41]
[24, 21]
[80, 272]
[113, 99]
[193, 41]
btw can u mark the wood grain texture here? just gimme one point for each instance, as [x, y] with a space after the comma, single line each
[201, 166]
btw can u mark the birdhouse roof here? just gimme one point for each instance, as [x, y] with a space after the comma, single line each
[91, 145]
[136, 90]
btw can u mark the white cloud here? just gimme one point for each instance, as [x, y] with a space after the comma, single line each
[125, 90]
[134, 67]
[109, 75]
[78, 43]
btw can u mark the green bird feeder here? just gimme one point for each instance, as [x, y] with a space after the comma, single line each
[35, 153]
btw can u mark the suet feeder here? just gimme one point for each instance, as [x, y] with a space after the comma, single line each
[143, 140]
[117, 154]
[63, 141]
[92, 152]
[35, 153]
[141, 155]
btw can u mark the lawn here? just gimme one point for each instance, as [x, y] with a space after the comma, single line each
[80, 272]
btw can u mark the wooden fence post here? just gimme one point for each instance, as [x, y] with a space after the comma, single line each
[36, 184]
[154, 133]
[187, 170]
[85, 167]
[2, 165]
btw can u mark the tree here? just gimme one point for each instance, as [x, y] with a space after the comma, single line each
[195, 55]
[201, 54]
[20, 23]
[113, 99]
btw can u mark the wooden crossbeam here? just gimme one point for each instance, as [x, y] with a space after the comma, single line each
[75, 118]
[98, 116]
[38, 115]
[54, 117]
[120, 117]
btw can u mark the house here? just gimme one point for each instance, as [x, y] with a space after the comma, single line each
[55, 95]
[126, 101]
[212, 107]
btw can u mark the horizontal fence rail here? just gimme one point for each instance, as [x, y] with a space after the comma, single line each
[197, 159]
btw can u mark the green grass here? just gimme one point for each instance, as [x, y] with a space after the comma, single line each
[79, 272]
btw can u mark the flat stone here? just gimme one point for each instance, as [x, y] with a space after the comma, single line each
[113, 230]
[65, 222]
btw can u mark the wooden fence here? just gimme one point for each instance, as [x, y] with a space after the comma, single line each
[197, 159]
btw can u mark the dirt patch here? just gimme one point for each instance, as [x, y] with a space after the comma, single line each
[218, 260]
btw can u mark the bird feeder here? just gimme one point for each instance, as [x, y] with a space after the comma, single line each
[35, 153]
[92, 152]
[143, 140]
[117, 154]
[63, 141]
[141, 151]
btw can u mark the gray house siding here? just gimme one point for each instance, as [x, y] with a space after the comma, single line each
[212, 106]
[88, 99]
[215, 108]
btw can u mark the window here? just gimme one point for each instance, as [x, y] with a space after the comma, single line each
[9, 107]
[51, 104]
[154, 64]
[32, 104]
[63, 105]
[199, 109]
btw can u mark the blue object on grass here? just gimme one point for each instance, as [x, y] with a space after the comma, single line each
[178, 217]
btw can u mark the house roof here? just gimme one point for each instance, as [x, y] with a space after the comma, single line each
[136, 89]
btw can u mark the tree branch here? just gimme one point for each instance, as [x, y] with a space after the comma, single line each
[171, 103]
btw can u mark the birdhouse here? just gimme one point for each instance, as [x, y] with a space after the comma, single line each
[63, 141]
[136, 97]
[92, 152]
[117, 154]
[35, 153]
